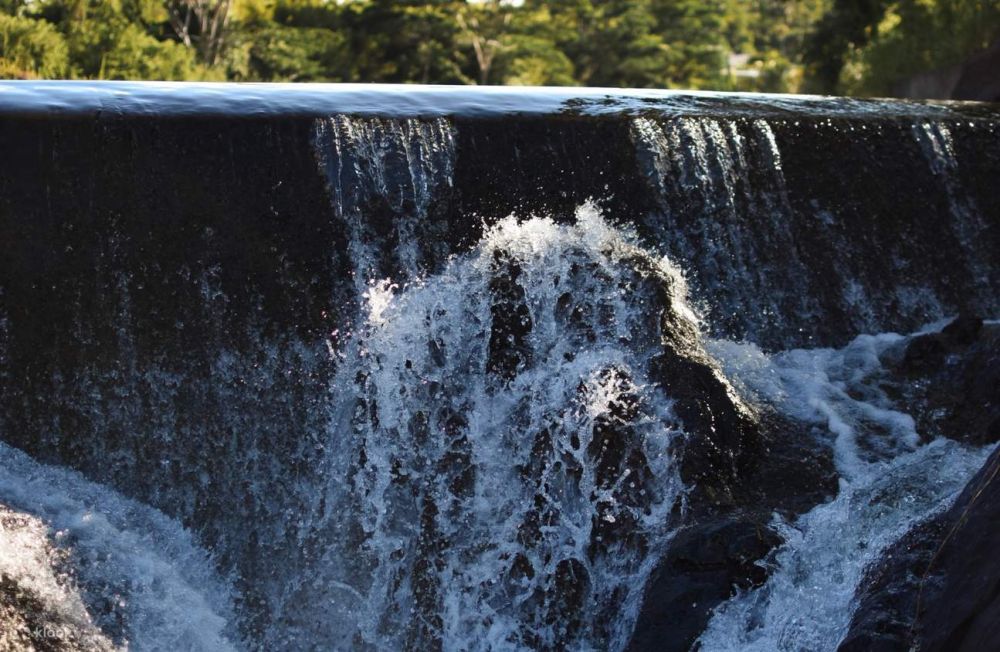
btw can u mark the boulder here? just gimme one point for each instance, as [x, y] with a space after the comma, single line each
[950, 380]
[938, 588]
[705, 563]
[724, 547]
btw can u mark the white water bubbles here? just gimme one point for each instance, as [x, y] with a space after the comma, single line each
[503, 476]
[107, 572]
[889, 483]
[39, 602]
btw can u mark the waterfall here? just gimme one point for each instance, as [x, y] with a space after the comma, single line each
[966, 221]
[500, 463]
[383, 176]
[357, 378]
[728, 173]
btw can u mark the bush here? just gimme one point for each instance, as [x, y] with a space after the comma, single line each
[137, 55]
[31, 48]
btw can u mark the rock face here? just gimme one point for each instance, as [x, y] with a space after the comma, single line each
[704, 564]
[722, 549]
[887, 600]
[947, 381]
[951, 380]
[937, 588]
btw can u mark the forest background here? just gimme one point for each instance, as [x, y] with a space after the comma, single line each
[849, 47]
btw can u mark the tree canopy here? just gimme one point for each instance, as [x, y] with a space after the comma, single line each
[847, 46]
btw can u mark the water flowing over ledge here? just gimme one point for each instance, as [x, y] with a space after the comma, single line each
[179, 99]
[486, 368]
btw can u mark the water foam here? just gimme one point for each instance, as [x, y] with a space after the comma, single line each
[112, 572]
[500, 486]
[889, 482]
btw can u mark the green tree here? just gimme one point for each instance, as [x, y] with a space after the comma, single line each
[610, 43]
[405, 41]
[847, 25]
[486, 28]
[278, 53]
[642, 43]
[533, 61]
[134, 54]
[868, 46]
[31, 48]
[12, 7]
[201, 24]
[766, 40]
[106, 42]
[693, 29]
[915, 36]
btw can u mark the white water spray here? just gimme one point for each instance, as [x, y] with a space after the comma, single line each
[502, 476]
[109, 572]
[889, 483]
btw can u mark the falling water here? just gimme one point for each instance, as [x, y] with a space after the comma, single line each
[500, 465]
[471, 448]
[729, 173]
[107, 572]
[966, 220]
[889, 482]
[383, 176]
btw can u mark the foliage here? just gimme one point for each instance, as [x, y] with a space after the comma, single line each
[29, 49]
[134, 54]
[868, 46]
[914, 36]
[856, 46]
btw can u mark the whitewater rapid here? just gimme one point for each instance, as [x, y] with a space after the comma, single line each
[891, 479]
[105, 572]
[475, 483]
[445, 456]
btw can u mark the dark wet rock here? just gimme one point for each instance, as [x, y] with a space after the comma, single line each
[720, 549]
[724, 440]
[928, 352]
[794, 472]
[705, 564]
[724, 436]
[511, 320]
[951, 381]
[925, 353]
[959, 605]
[963, 330]
[887, 595]
[725, 548]
[938, 588]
